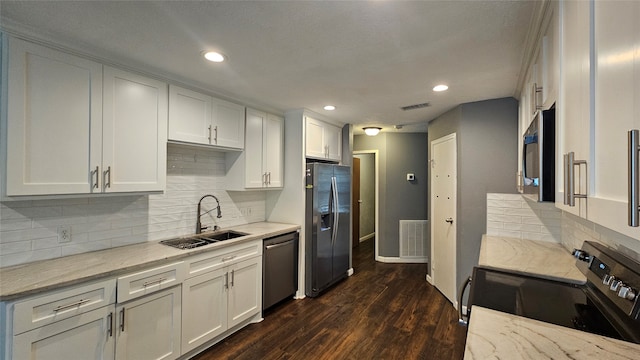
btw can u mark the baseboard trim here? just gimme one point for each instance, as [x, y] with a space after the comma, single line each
[367, 237]
[399, 260]
[350, 272]
[429, 279]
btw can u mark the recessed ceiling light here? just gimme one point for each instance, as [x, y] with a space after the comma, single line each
[214, 56]
[330, 107]
[440, 87]
[371, 130]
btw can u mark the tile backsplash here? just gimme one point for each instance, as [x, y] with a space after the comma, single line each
[517, 216]
[29, 229]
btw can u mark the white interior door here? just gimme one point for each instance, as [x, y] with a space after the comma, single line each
[443, 215]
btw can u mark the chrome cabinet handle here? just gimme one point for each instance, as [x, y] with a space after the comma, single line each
[157, 281]
[269, 178]
[95, 185]
[461, 316]
[233, 275]
[228, 258]
[226, 280]
[633, 141]
[122, 320]
[209, 137]
[535, 90]
[110, 324]
[106, 178]
[570, 192]
[215, 137]
[75, 304]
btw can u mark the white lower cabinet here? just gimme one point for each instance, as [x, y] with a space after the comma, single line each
[219, 300]
[85, 336]
[149, 327]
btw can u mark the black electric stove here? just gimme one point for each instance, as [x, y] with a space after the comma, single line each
[607, 304]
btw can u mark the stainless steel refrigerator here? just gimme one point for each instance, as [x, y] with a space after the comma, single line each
[327, 221]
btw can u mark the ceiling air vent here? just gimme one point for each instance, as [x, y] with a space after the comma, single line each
[416, 106]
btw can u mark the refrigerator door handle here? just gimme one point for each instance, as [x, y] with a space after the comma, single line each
[334, 191]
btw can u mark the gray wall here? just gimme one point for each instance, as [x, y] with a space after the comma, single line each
[367, 194]
[487, 136]
[400, 153]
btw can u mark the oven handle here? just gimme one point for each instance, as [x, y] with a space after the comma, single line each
[461, 316]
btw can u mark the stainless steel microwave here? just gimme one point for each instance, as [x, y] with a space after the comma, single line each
[538, 156]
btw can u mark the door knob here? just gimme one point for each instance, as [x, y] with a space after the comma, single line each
[449, 220]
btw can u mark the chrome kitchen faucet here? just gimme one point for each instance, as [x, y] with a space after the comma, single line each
[199, 226]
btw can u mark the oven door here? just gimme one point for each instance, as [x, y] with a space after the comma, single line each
[550, 301]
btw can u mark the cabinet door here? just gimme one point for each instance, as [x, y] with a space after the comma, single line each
[315, 143]
[254, 172]
[85, 336]
[189, 116]
[574, 120]
[245, 290]
[149, 327]
[333, 139]
[54, 110]
[228, 124]
[204, 303]
[617, 92]
[273, 151]
[550, 61]
[134, 132]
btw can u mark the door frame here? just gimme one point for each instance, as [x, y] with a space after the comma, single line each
[376, 157]
[431, 276]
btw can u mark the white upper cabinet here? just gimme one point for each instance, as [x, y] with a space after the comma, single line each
[201, 119]
[54, 120]
[134, 132]
[73, 130]
[261, 165]
[617, 95]
[323, 140]
[574, 110]
[550, 61]
[228, 124]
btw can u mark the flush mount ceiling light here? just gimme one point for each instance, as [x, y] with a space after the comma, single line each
[213, 56]
[371, 130]
[329, 107]
[440, 87]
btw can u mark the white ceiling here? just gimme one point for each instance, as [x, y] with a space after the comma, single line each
[368, 58]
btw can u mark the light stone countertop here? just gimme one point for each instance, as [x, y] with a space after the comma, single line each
[32, 278]
[497, 335]
[537, 258]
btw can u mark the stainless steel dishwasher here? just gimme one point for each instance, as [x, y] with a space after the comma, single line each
[279, 268]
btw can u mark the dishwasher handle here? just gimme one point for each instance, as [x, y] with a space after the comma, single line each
[461, 316]
[277, 245]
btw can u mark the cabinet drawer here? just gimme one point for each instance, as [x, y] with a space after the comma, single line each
[148, 281]
[57, 305]
[217, 259]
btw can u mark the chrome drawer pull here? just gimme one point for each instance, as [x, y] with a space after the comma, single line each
[75, 304]
[157, 281]
[228, 258]
[570, 164]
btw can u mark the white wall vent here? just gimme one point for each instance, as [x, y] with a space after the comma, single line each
[413, 240]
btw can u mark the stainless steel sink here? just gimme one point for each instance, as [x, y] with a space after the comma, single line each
[225, 235]
[202, 240]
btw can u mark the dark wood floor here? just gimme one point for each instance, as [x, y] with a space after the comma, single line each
[383, 311]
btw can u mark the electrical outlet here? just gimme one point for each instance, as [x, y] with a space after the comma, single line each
[64, 233]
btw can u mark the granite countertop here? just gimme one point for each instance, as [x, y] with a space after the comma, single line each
[27, 279]
[537, 258]
[497, 335]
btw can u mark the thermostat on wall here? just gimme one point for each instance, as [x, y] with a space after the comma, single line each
[411, 177]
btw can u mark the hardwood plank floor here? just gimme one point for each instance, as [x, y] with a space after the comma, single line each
[383, 311]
